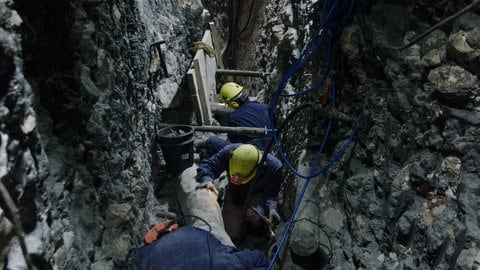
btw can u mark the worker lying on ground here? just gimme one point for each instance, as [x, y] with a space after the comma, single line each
[246, 114]
[189, 248]
[242, 162]
[203, 244]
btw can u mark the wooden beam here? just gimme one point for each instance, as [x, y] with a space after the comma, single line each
[203, 97]
[202, 82]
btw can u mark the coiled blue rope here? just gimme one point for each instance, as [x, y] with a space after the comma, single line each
[337, 14]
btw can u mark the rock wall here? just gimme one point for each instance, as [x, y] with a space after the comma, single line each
[403, 197]
[84, 84]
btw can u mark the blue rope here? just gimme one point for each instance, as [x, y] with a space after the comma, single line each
[316, 38]
[327, 21]
[331, 25]
[311, 175]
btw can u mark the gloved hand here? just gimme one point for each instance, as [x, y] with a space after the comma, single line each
[208, 185]
[273, 215]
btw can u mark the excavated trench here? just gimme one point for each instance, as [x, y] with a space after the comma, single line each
[79, 124]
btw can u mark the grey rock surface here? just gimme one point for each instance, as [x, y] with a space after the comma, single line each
[81, 97]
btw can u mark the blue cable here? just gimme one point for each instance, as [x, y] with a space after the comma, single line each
[302, 193]
[319, 84]
[311, 175]
[307, 181]
[278, 94]
[329, 27]
[301, 61]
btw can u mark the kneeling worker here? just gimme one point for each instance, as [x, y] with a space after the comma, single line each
[242, 162]
[246, 114]
[203, 244]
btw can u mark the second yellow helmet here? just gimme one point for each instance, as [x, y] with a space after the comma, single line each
[243, 163]
[230, 91]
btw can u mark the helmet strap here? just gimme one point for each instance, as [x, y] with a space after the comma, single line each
[233, 104]
[241, 97]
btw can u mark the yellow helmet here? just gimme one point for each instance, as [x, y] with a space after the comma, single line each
[242, 166]
[230, 91]
[233, 94]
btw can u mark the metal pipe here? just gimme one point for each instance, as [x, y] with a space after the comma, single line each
[268, 222]
[438, 25]
[220, 108]
[247, 73]
[226, 129]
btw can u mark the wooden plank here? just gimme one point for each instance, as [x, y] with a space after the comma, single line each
[192, 85]
[202, 93]
[202, 82]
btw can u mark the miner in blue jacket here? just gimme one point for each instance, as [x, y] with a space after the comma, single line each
[246, 114]
[190, 247]
[202, 244]
[242, 164]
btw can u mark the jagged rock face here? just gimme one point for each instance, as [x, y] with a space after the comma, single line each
[96, 91]
[82, 87]
[399, 196]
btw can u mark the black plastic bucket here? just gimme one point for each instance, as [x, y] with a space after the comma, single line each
[176, 143]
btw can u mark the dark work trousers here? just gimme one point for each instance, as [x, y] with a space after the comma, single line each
[214, 144]
[234, 217]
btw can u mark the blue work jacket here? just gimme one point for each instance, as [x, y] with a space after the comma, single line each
[251, 114]
[268, 181]
[187, 248]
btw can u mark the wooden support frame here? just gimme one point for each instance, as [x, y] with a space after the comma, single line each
[201, 82]
[201, 77]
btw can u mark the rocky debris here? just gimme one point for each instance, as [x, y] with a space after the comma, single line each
[90, 173]
[401, 191]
